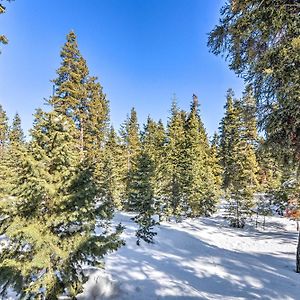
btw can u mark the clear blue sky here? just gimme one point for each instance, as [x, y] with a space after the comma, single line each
[143, 51]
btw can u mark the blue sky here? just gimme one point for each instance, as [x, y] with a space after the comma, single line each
[142, 51]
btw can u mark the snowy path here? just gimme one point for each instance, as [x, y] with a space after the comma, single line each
[202, 259]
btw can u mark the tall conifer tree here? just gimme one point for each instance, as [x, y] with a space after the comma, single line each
[131, 149]
[52, 223]
[200, 182]
[238, 143]
[175, 174]
[4, 133]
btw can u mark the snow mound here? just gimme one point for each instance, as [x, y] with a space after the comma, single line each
[100, 286]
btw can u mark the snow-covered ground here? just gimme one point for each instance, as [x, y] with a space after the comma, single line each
[201, 259]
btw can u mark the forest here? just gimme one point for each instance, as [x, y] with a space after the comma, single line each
[61, 186]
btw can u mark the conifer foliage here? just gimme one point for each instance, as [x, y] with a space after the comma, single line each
[238, 156]
[51, 222]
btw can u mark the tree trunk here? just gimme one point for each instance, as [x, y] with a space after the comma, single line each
[298, 255]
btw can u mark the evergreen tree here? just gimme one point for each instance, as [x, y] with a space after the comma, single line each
[200, 188]
[215, 163]
[80, 97]
[131, 149]
[51, 224]
[154, 145]
[175, 167]
[238, 137]
[251, 36]
[228, 133]
[111, 171]
[16, 147]
[3, 153]
[142, 195]
[270, 171]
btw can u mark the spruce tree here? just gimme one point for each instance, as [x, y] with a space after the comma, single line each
[175, 168]
[80, 97]
[214, 158]
[228, 134]
[110, 178]
[154, 145]
[238, 142]
[141, 193]
[51, 224]
[131, 145]
[3, 153]
[16, 147]
[200, 188]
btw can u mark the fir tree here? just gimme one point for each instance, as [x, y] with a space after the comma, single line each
[214, 159]
[251, 37]
[111, 171]
[241, 169]
[175, 168]
[228, 133]
[3, 153]
[154, 145]
[80, 97]
[16, 147]
[142, 195]
[199, 178]
[51, 223]
[131, 149]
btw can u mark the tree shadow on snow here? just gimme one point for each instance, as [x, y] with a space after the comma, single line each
[180, 266]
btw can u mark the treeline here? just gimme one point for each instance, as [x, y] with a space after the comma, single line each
[59, 190]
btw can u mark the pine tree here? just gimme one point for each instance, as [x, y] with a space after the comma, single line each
[175, 168]
[131, 149]
[271, 65]
[214, 158]
[16, 147]
[111, 171]
[199, 178]
[142, 195]
[154, 145]
[238, 136]
[80, 97]
[228, 135]
[51, 224]
[3, 153]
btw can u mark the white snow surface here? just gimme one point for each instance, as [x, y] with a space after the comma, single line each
[201, 258]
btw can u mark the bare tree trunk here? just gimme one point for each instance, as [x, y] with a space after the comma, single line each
[298, 255]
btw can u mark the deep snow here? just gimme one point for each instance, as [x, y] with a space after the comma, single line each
[201, 258]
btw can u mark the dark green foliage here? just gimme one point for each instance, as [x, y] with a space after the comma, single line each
[261, 39]
[175, 174]
[142, 195]
[154, 145]
[238, 156]
[111, 171]
[3, 152]
[51, 222]
[80, 97]
[199, 187]
[54, 215]
[131, 144]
